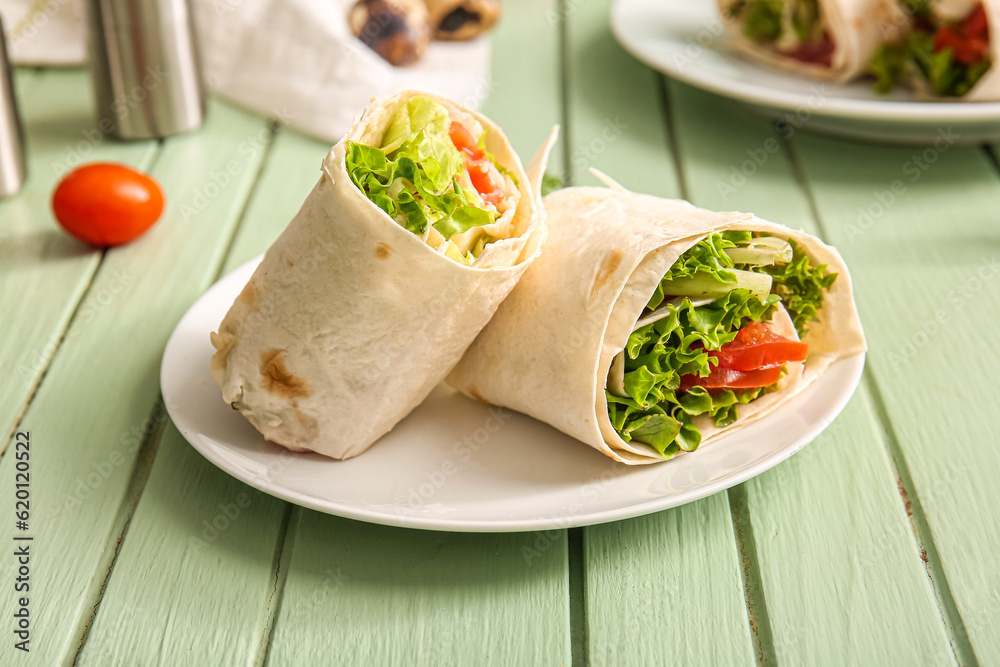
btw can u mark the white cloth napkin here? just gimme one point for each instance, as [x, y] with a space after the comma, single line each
[295, 60]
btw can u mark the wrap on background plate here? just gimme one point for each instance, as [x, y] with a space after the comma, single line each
[947, 53]
[648, 325]
[421, 223]
[832, 40]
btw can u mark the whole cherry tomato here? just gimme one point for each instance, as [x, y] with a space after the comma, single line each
[107, 204]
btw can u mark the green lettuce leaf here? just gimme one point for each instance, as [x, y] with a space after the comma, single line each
[762, 22]
[658, 355]
[801, 287]
[414, 176]
[945, 76]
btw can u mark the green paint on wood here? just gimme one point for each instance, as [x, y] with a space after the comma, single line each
[917, 226]
[615, 108]
[93, 410]
[44, 272]
[359, 594]
[523, 94]
[837, 500]
[193, 578]
[665, 590]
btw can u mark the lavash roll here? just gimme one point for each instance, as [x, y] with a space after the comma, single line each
[351, 320]
[858, 28]
[548, 349]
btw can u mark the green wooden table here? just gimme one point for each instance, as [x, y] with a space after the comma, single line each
[876, 545]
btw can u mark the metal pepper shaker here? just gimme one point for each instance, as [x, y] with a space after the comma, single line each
[13, 167]
[146, 69]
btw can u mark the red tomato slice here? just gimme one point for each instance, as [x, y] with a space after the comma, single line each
[964, 50]
[464, 141]
[477, 163]
[727, 378]
[820, 53]
[976, 26]
[107, 204]
[756, 346]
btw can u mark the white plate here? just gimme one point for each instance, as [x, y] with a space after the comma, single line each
[455, 464]
[684, 39]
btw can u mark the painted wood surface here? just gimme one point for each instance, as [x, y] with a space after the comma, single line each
[43, 272]
[872, 546]
[93, 415]
[830, 524]
[922, 221]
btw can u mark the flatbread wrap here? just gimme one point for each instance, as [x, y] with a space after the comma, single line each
[947, 53]
[832, 40]
[648, 326]
[421, 223]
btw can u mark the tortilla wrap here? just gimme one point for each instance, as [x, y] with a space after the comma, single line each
[350, 320]
[548, 349]
[857, 27]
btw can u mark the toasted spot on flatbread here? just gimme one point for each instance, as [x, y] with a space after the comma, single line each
[276, 378]
[384, 251]
[608, 267]
[474, 393]
[248, 296]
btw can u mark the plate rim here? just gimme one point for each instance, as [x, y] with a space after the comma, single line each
[213, 454]
[905, 111]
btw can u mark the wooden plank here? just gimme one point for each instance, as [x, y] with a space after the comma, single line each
[45, 272]
[665, 590]
[835, 503]
[915, 224]
[617, 124]
[94, 408]
[615, 107]
[213, 538]
[292, 170]
[523, 92]
[390, 596]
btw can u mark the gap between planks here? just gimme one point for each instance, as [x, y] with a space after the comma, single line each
[927, 551]
[287, 534]
[958, 637]
[150, 445]
[123, 519]
[84, 293]
[739, 508]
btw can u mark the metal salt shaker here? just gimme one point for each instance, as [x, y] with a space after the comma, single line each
[13, 168]
[146, 68]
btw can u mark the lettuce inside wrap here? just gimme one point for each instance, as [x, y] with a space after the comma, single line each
[796, 29]
[722, 284]
[432, 174]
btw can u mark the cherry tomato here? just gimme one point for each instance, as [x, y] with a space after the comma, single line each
[756, 346]
[727, 378]
[107, 204]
